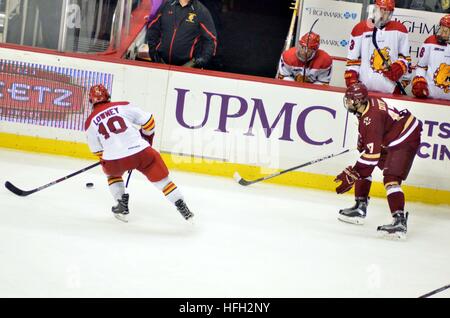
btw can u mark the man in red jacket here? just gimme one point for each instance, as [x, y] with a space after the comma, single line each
[389, 139]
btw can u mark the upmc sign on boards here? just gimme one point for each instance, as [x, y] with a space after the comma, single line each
[336, 21]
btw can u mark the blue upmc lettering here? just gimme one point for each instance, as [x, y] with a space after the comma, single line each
[19, 92]
[59, 101]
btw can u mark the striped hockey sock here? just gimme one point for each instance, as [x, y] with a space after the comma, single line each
[116, 187]
[169, 189]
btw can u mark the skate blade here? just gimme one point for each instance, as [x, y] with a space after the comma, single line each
[353, 220]
[391, 236]
[121, 217]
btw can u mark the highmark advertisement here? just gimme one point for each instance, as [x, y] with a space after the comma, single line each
[341, 15]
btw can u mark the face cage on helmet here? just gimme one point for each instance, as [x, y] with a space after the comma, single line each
[304, 54]
[352, 105]
[443, 30]
[381, 16]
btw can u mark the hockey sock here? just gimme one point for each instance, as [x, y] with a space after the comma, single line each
[169, 189]
[395, 197]
[116, 187]
[362, 187]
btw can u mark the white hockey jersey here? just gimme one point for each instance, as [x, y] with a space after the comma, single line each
[112, 132]
[363, 58]
[434, 66]
[318, 69]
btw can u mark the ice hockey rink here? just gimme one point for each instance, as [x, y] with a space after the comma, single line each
[258, 241]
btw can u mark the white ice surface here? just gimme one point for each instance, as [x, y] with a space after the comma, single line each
[257, 241]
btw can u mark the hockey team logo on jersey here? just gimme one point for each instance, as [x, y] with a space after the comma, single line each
[442, 77]
[191, 17]
[367, 121]
[377, 62]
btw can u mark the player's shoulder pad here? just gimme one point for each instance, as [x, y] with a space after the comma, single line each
[432, 39]
[290, 57]
[99, 109]
[361, 28]
[396, 26]
[322, 60]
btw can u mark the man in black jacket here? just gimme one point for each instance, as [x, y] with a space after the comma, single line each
[182, 33]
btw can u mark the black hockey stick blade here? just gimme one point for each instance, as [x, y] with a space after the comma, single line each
[241, 180]
[431, 293]
[11, 187]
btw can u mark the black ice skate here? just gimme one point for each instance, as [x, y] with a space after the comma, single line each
[121, 209]
[397, 229]
[183, 209]
[357, 213]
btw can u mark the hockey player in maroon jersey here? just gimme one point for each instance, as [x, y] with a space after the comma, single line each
[379, 69]
[389, 139]
[121, 135]
[306, 62]
[432, 78]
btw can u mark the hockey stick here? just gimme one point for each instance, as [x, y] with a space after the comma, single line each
[289, 37]
[244, 182]
[128, 178]
[435, 291]
[307, 44]
[24, 193]
[385, 63]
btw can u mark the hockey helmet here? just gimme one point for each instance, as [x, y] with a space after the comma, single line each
[307, 46]
[310, 40]
[355, 95]
[98, 94]
[382, 12]
[445, 21]
[443, 34]
[388, 5]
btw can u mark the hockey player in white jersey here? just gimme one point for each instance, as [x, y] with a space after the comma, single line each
[121, 135]
[306, 62]
[432, 77]
[380, 67]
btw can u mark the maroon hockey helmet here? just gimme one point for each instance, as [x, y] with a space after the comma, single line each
[355, 94]
[98, 94]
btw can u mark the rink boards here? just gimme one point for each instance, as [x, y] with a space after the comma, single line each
[209, 122]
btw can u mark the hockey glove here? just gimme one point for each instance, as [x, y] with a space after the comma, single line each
[420, 87]
[348, 178]
[396, 71]
[154, 56]
[149, 138]
[351, 77]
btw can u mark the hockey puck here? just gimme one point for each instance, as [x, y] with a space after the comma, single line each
[89, 185]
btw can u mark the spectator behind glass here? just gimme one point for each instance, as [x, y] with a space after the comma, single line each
[182, 33]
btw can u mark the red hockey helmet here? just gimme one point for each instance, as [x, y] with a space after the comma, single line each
[388, 5]
[98, 94]
[445, 21]
[310, 40]
[355, 94]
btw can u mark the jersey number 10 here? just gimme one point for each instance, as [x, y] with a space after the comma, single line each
[115, 125]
